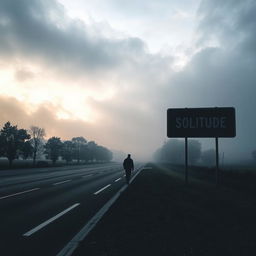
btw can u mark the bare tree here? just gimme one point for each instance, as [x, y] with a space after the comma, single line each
[37, 135]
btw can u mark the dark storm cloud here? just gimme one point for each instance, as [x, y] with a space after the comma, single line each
[41, 31]
[225, 75]
[232, 22]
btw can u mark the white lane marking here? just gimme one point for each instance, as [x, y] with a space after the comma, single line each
[26, 191]
[32, 231]
[88, 175]
[97, 192]
[74, 242]
[118, 179]
[61, 182]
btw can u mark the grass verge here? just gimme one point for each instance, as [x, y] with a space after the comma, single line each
[159, 215]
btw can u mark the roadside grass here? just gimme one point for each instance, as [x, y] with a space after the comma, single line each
[159, 215]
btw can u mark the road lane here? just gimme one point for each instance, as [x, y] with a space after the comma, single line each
[61, 182]
[14, 186]
[45, 223]
[27, 211]
[35, 175]
[62, 191]
[19, 193]
[32, 171]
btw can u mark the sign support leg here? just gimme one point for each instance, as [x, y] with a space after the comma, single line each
[186, 160]
[217, 160]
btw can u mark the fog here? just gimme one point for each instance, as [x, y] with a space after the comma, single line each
[64, 75]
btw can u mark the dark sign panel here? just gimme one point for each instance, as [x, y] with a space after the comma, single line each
[201, 122]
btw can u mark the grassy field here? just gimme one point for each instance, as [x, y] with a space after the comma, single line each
[159, 215]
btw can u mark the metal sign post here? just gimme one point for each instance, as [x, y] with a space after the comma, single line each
[186, 160]
[201, 123]
[217, 161]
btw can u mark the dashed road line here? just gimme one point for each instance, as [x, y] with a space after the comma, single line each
[118, 179]
[32, 231]
[61, 182]
[88, 175]
[97, 192]
[74, 242]
[19, 193]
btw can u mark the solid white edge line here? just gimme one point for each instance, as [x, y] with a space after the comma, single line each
[19, 193]
[61, 182]
[32, 231]
[74, 242]
[97, 192]
[118, 179]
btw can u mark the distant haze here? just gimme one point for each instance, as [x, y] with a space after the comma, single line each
[109, 71]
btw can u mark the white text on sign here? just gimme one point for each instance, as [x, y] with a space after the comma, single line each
[200, 122]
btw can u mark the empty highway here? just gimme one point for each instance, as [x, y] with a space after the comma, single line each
[42, 209]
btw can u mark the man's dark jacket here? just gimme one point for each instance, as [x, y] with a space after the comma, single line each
[128, 164]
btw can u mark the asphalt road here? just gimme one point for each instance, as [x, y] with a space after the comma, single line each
[42, 209]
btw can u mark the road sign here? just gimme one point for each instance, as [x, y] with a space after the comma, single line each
[201, 122]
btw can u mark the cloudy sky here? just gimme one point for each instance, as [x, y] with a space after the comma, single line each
[108, 70]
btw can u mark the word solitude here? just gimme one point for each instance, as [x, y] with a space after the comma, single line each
[201, 122]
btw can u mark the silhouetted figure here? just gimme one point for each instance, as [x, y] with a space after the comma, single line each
[128, 167]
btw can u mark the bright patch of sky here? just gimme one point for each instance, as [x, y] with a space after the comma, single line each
[166, 27]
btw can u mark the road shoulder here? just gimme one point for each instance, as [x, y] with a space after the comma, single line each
[158, 215]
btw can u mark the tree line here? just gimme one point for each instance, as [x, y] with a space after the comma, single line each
[173, 151]
[21, 143]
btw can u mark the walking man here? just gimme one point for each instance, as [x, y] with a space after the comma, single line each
[128, 167]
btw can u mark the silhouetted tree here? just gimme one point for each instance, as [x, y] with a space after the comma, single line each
[103, 154]
[109, 155]
[173, 151]
[194, 151]
[37, 135]
[26, 150]
[67, 150]
[85, 153]
[2, 142]
[12, 140]
[208, 157]
[78, 143]
[92, 147]
[53, 148]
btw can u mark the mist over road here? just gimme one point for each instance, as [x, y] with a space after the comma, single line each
[42, 209]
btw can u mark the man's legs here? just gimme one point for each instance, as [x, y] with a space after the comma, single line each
[128, 176]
